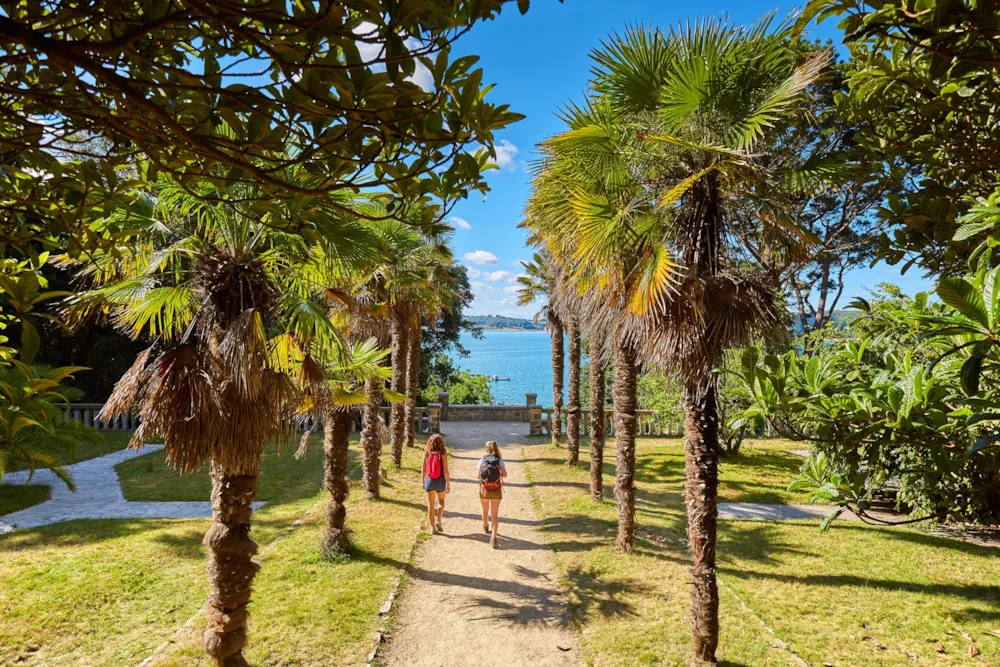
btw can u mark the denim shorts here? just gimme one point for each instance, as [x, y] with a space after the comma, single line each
[434, 484]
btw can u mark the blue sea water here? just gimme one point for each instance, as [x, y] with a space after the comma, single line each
[523, 356]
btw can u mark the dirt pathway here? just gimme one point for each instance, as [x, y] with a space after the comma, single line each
[467, 604]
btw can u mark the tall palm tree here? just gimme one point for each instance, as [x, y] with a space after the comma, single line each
[648, 170]
[573, 397]
[412, 383]
[539, 282]
[596, 353]
[207, 278]
[331, 391]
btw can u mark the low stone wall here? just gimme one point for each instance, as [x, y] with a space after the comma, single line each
[487, 413]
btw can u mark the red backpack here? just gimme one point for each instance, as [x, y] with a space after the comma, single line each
[434, 465]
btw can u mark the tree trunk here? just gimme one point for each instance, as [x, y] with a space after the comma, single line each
[573, 418]
[397, 411]
[231, 569]
[371, 441]
[596, 421]
[336, 438]
[556, 327]
[412, 379]
[701, 469]
[625, 405]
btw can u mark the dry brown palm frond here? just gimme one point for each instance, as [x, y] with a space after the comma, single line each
[183, 406]
[129, 389]
[232, 286]
[243, 351]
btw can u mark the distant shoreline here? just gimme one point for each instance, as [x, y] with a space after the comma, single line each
[512, 329]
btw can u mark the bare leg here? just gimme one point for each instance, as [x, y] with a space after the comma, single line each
[430, 510]
[495, 511]
[486, 514]
[440, 514]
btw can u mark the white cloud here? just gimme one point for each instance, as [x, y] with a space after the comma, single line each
[369, 50]
[480, 257]
[481, 287]
[501, 276]
[511, 289]
[473, 272]
[461, 223]
[422, 77]
[506, 153]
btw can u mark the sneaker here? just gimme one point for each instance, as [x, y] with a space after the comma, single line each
[440, 528]
[493, 542]
[486, 528]
[434, 529]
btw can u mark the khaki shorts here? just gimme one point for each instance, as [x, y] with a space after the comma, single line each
[490, 492]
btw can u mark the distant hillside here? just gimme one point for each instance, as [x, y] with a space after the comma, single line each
[502, 322]
[840, 317]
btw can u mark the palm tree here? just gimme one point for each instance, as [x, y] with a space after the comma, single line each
[208, 276]
[412, 383]
[596, 417]
[647, 172]
[331, 391]
[573, 416]
[540, 283]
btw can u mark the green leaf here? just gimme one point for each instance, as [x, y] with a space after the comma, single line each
[971, 370]
[963, 297]
[983, 443]
[30, 341]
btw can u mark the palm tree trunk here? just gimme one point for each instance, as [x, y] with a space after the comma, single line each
[625, 406]
[397, 411]
[231, 569]
[556, 327]
[701, 469]
[412, 379]
[573, 418]
[596, 421]
[371, 441]
[336, 438]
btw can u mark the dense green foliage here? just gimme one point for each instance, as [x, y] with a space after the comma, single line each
[504, 322]
[463, 387]
[908, 394]
[922, 91]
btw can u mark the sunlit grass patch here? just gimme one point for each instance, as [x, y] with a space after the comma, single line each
[111, 592]
[856, 596]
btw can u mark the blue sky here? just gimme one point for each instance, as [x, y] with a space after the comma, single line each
[538, 62]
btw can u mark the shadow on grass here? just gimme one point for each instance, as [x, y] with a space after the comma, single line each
[184, 545]
[604, 598]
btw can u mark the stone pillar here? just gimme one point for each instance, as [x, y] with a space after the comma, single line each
[434, 418]
[443, 401]
[534, 419]
[530, 399]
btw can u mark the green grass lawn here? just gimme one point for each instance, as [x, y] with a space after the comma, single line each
[855, 596]
[111, 592]
[19, 497]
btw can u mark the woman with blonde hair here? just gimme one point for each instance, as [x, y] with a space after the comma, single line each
[437, 481]
[491, 472]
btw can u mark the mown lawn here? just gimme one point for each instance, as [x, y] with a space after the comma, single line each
[19, 497]
[855, 596]
[111, 592]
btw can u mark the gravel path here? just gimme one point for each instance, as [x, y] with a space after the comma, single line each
[467, 604]
[98, 496]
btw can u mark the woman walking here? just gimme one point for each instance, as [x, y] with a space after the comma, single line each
[491, 472]
[437, 482]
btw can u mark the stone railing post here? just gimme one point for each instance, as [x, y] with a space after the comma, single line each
[443, 402]
[534, 420]
[434, 418]
[530, 399]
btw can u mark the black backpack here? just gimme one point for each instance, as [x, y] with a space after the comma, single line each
[489, 474]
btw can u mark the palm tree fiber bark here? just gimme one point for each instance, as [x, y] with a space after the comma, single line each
[701, 469]
[596, 421]
[573, 418]
[625, 406]
[336, 438]
[412, 381]
[558, 359]
[397, 411]
[231, 569]
[371, 440]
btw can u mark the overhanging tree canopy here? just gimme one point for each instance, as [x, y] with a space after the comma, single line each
[355, 94]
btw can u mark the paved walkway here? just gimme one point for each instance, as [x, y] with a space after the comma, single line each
[467, 604]
[98, 496]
